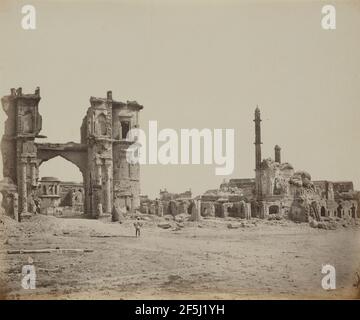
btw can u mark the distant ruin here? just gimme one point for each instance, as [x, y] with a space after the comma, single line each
[276, 191]
[60, 198]
[108, 179]
[280, 190]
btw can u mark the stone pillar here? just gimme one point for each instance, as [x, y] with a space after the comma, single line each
[99, 210]
[95, 200]
[98, 172]
[198, 207]
[263, 211]
[258, 142]
[2, 210]
[248, 211]
[159, 208]
[98, 175]
[196, 211]
[23, 186]
[258, 184]
[108, 205]
[15, 204]
[33, 173]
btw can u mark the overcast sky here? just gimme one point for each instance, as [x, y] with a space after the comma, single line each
[198, 64]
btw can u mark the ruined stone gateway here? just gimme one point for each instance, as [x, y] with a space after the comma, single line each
[109, 180]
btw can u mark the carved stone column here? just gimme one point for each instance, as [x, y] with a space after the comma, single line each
[98, 174]
[196, 211]
[33, 173]
[16, 206]
[23, 186]
[98, 164]
[108, 206]
[198, 207]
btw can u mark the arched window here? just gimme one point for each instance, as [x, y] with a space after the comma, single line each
[322, 212]
[339, 211]
[125, 127]
[27, 122]
[101, 125]
[353, 214]
[274, 209]
[277, 187]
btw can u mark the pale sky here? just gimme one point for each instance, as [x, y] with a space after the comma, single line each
[196, 64]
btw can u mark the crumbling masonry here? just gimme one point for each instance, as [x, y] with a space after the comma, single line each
[280, 191]
[276, 192]
[109, 180]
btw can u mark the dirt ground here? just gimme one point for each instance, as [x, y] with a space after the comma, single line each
[200, 260]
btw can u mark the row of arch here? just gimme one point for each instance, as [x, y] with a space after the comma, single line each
[339, 212]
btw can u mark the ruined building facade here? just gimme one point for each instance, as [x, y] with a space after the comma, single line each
[278, 189]
[100, 156]
[55, 197]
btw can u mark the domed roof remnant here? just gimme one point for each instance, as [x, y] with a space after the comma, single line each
[286, 166]
[303, 174]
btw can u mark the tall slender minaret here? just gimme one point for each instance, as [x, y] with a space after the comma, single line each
[258, 143]
[277, 154]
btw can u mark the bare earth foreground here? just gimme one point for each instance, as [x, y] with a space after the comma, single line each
[258, 259]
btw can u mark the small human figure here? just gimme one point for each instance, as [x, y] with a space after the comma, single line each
[33, 205]
[37, 206]
[137, 225]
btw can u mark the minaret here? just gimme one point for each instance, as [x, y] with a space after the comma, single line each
[258, 143]
[277, 154]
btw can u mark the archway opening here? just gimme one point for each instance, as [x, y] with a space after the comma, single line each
[274, 209]
[60, 189]
[322, 212]
[339, 211]
[277, 187]
[125, 127]
[353, 212]
[101, 127]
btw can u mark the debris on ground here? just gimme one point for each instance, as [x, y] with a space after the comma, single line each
[164, 225]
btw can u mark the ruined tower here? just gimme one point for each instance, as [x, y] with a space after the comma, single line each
[126, 175]
[18, 143]
[277, 154]
[258, 143]
[111, 179]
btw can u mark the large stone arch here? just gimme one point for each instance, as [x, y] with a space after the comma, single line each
[75, 153]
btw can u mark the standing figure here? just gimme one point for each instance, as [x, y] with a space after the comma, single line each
[137, 226]
[38, 205]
